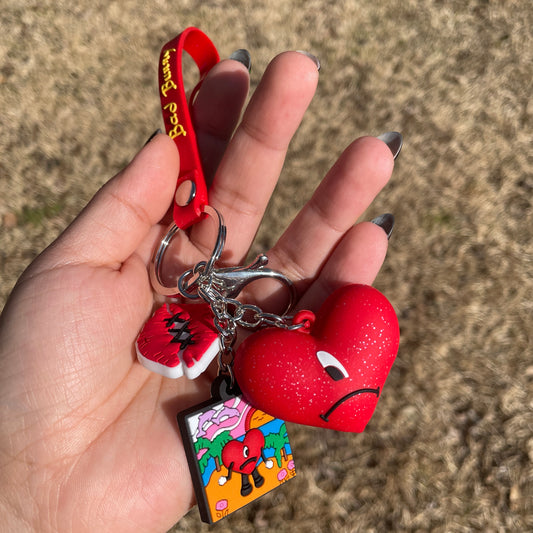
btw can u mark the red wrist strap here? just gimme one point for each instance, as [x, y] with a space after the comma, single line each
[177, 117]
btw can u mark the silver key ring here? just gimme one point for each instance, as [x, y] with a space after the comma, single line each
[218, 286]
[156, 265]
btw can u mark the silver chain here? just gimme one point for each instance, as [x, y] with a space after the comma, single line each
[219, 288]
[228, 312]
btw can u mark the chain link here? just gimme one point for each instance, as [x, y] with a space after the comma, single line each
[229, 313]
[219, 288]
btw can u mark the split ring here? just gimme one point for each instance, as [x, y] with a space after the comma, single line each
[156, 265]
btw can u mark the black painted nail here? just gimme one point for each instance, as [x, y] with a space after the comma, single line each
[156, 132]
[385, 222]
[313, 58]
[393, 140]
[242, 56]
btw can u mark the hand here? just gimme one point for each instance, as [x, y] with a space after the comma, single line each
[88, 439]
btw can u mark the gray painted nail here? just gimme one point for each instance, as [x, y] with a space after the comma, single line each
[385, 222]
[156, 132]
[242, 56]
[393, 140]
[313, 58]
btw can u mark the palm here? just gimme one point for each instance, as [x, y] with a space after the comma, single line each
[96, 427]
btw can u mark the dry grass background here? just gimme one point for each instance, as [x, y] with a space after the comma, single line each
[451, 445]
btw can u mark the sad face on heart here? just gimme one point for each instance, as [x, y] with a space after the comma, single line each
[330, 374]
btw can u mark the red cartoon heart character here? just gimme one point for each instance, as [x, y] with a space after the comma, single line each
[243, 457]
[329, 374]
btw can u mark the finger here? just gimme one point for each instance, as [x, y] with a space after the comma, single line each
[357, 259]
[344, 194]
[123, 212]
[217, 109]
[252, 163]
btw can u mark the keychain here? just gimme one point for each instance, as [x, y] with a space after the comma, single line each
[325, 370]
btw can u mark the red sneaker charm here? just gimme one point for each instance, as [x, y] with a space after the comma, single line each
[178, 339]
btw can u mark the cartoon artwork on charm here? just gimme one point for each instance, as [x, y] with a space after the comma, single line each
[178, 339]
[236, 454]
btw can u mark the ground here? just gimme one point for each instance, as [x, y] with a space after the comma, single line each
[450, 447]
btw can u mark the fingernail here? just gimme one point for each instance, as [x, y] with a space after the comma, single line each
[393, 140]
[311, 57]
[385, 222]
[156, 132]
[242, 56]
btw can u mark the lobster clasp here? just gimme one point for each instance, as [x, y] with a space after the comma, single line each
[230, 281]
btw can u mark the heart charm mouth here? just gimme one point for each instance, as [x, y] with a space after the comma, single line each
[252, 460]
[325, 416]
[307, 376]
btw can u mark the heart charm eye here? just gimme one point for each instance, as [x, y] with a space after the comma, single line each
[332, 366]
[246, 451]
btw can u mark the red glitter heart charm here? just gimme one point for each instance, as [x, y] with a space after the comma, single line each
[329, 374]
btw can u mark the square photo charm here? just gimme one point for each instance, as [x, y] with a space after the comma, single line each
[236, 454]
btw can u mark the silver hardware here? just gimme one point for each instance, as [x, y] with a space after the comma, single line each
[157, 262]
[219, 287]
[229, 282]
